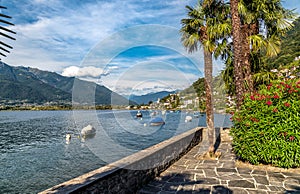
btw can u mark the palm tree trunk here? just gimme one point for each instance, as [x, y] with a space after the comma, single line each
[209, 99]
[236, 35]
[246, 31]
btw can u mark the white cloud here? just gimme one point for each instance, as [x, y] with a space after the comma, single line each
[74, 71]
[60, 36]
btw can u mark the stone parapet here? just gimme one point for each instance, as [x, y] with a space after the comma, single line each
[129, 174]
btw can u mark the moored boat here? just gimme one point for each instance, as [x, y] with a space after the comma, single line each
[139, 114]
[157, 121]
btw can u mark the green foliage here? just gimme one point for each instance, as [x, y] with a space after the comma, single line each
[267, 126]
[290, 47]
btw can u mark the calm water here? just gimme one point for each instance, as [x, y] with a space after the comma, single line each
[34, 154]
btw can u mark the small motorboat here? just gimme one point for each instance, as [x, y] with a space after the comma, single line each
[188, 119]
[139, 114]
[196, 114]
[153, 114]
[157, 121]
[88, 131]
[68, 137]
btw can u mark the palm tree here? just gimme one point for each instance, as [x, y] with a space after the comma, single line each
[263, 24]
[237, 48]
[202, 28]
[5, 47]
[257, 29]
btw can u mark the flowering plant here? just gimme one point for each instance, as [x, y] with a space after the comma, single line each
[267, 126]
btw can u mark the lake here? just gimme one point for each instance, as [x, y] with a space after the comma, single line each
[34, 153]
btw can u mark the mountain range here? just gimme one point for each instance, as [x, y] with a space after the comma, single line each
[31, 85]
[151, 97]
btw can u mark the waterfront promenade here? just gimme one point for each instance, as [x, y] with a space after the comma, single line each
[190, 174]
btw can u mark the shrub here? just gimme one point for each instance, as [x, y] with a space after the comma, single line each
[267, 126]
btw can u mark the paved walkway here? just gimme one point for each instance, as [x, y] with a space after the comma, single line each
[192, 175]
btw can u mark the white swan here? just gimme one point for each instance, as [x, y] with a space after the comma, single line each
[88, 131]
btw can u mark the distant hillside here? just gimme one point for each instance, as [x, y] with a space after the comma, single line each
[197, 89]
[290, 47]
[35, 86]
[145, 99]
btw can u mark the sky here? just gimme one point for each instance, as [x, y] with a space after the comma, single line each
[130, 46]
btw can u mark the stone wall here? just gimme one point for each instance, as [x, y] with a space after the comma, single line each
[130, 173]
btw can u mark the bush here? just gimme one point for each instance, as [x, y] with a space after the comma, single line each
[267, 126]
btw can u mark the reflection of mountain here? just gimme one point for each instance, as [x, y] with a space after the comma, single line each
[35, 86]
[145, 99]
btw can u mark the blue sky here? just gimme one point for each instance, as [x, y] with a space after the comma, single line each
[130, 46]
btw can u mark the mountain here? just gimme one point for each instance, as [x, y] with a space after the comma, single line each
[151, 97]
[32, 85]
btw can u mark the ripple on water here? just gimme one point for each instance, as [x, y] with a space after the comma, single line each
[34, 155]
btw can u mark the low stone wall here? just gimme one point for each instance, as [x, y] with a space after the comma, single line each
[130, 173]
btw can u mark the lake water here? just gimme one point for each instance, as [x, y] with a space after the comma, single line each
[34, 154]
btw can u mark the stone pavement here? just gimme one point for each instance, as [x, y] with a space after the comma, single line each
[192, 175]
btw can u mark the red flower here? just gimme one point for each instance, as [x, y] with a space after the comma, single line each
[287, 86]
[252, 97]
[269, 103]
[292, 138]
[268, 87]
[287, 104]
[275, 110]
[276, 96]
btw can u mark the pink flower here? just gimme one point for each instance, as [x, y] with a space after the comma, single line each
[275, 110]
[269, 102]
[292, 138]
[287, 104]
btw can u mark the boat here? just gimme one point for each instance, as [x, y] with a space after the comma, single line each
[188, 119]
[88, 131]
[196, 114]
[157, 121]
[153, 114]
[139, 114]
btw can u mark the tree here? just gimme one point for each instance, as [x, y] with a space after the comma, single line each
[263, 25]
[257, 29]
[237, 48]
[202, 28]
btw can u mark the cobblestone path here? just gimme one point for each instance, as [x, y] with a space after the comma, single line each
[193, 175]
